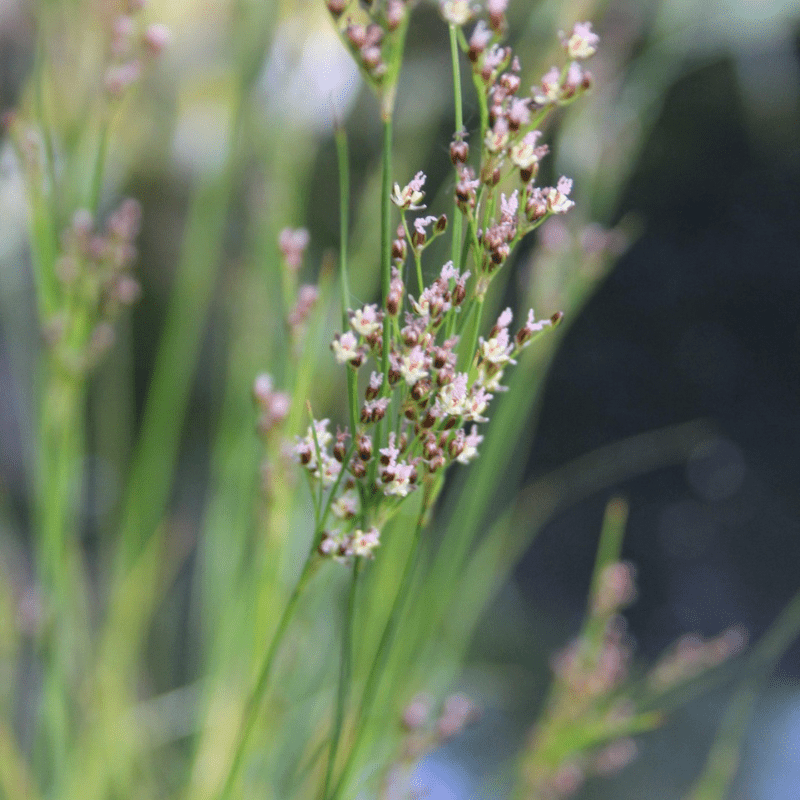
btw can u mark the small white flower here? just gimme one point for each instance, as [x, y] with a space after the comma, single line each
[477, 402]
[390, 452]
[345, 348]
[456, 12]
[363, 543]
[558, 201]
[414, 365]
[324, 436]
[410, 197]
[493, 382]
[524, 154]
[330, 470]
[497, 136]
[582, 42]
[504, 320]
[519, 114]
[331, 543]
[481, 36]
[400, 484]
[345, 506]
[509, 206]
[550, 89]
[452, 398]
[367, 320]
[471, 442]
[497, 350]
[448, 272]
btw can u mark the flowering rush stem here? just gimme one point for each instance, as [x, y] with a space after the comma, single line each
[340, 136]
[459, 121]
[345, 670]
[386, 266]
[253, 703]
[382, 653]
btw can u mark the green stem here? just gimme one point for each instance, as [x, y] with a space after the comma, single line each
[386, 239]
[381, 655]
[99, 166]
[386, 273]
[254, 699]
[345, 672]
[340, 136]
[466, 352]
[61, 448]
[459, 111]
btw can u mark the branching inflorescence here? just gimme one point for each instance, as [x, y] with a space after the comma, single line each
[433, 377]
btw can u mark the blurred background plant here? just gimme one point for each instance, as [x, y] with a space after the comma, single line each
[146, 553]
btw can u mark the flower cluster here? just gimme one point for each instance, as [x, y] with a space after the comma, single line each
[94, 273]
[370, 42]
[592, 689]
[418, 410]
[129, 45]
[692, 655]
[432, 405]
[511, 141]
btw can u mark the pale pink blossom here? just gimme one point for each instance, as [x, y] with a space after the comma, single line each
[558, 201]
[293, 244]
[400, 483]
[346, 505]
[456, 12]
[471, 442]
[497, 136]
[345, 348]
[452, 398]
[519, 114]
[410, 197]
[363, 543]
[550, 88]
[414, 365]
[367, 320]
[582, 42]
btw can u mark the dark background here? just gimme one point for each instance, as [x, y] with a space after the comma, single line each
[700, 319]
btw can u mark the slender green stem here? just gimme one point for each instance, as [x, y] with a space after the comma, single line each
[345, 672]
[382, 653]
[61, 449]
[459, 112]
[386, 272]
[344, 278]
[386, 239]
[340, 136]
[466, 352]
[99, 165]
[254, 699]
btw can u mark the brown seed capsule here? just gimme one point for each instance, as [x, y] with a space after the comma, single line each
[436, 463]
[459, 152]
[456, 447]
[399, 249]
[364, 448]
[430, 448]
[421, 388]
[339, 451]
[357, 35]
